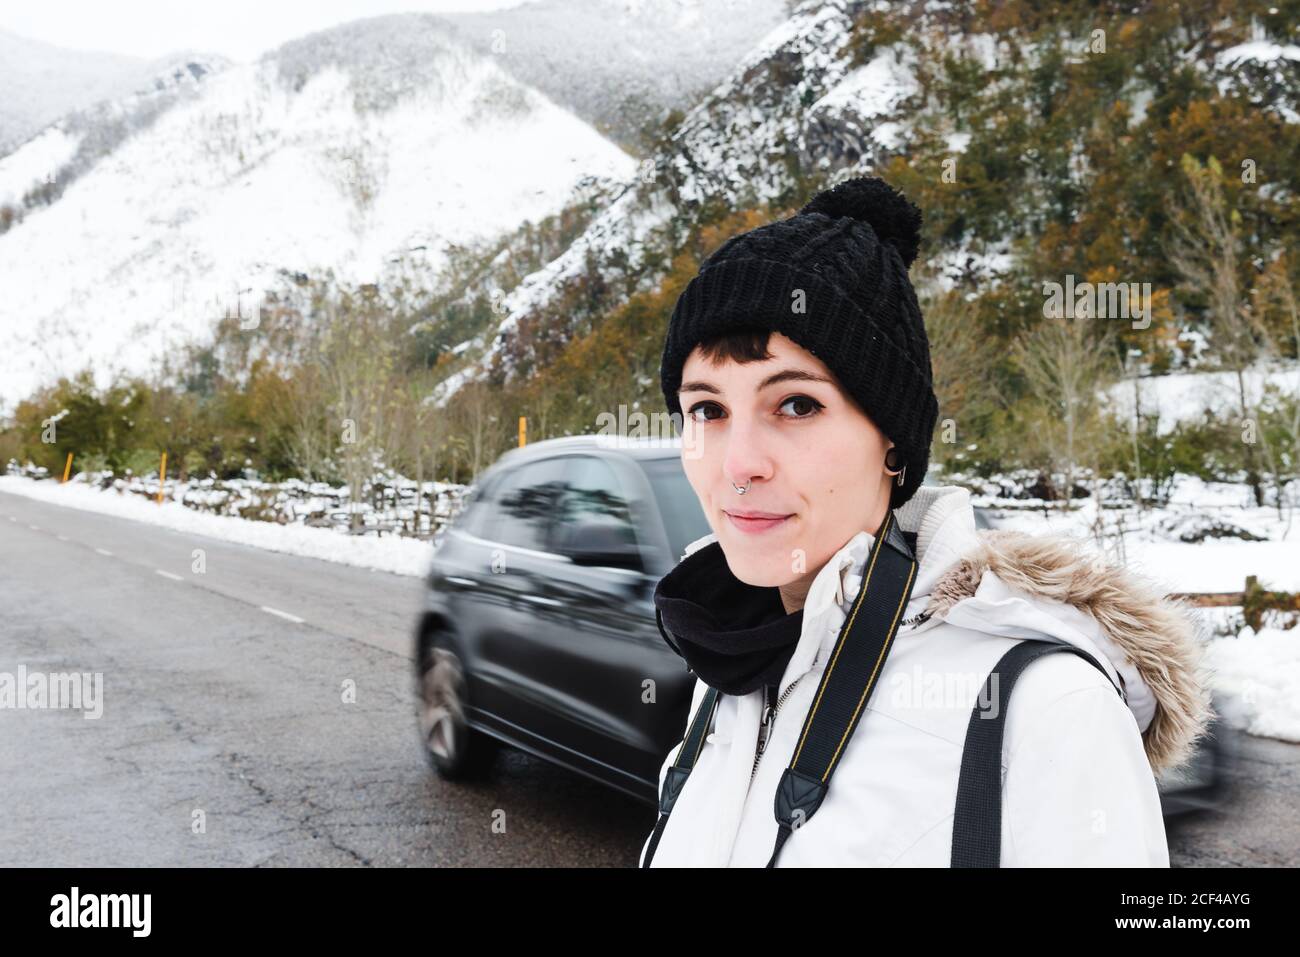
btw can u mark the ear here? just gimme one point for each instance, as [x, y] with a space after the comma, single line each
[892, 464]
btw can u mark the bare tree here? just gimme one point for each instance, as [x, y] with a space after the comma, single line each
[1066, 368]
[421, 432]
[476, 410]
[961, 351]
[1206, 250]
[310, 436]
[1278, 293]
[1124, 371]
[358, 358]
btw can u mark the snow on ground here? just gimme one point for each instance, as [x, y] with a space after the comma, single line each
[1257, 679]
[1154, 541]
[1187, 396]
[34, 161]
[391, 553]
[1214, 565]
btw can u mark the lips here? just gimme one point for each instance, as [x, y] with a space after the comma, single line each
[754, 521]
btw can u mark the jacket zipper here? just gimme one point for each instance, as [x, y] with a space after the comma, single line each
[915, 620]
[770, 712]
[765, 725]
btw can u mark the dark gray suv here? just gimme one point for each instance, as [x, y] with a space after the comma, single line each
[539, 630]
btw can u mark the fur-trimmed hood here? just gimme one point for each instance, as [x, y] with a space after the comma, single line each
[1151, 640]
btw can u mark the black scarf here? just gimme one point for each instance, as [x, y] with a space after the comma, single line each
[734, 636]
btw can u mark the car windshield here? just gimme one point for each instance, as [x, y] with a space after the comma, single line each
[683, 518]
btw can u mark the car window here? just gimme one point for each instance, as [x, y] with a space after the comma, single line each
[475, 509]
[521, 512]
[684, 520]
[596, 496]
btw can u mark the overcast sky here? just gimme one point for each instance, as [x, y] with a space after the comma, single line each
[240, 29]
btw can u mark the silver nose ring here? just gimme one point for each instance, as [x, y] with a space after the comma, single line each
[742, 491]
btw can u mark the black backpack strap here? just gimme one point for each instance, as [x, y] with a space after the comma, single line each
[977, 819]
[848, 680]
[675, 777]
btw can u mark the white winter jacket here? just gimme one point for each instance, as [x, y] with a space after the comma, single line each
[1078, 760]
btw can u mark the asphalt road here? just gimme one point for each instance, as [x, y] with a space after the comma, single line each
[220, 712]
[226, 738]
[1258, 822]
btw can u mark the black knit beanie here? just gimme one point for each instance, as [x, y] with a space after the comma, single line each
[833, 278]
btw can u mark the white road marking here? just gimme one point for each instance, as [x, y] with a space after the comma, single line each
[63, 538]
[104, 551]
[283, 614]
[175, 578]
[34, 528]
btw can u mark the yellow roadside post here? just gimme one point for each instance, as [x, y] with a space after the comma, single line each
[523, 431]
[67, 468]
[162, 476]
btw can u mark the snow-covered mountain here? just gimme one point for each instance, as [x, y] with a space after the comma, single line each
[50, 161]
[379, 140]
[796, 93]
[42, 83]
[622, 64]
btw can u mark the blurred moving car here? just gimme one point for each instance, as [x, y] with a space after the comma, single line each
[539, 630]
[1202, 783]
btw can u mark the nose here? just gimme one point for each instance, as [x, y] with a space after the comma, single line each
[746, 459]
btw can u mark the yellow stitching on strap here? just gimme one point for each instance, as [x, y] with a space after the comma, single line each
[862, 595]
[911, 572]
[704, 737]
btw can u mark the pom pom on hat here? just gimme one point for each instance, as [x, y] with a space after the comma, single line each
[871, 200]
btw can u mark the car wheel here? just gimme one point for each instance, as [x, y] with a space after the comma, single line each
[455, 750]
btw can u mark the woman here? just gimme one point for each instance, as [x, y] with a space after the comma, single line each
[799, 361]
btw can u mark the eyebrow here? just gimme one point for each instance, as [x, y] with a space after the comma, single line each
[785, 375]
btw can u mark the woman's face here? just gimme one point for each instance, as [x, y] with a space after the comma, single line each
[815, 462]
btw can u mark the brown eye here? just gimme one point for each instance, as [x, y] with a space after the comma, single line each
[805, 407]
[699, 406]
